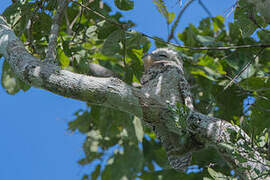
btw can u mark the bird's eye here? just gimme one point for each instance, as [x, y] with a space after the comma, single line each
[162, 55]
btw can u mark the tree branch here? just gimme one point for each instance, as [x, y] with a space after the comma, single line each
[113, 93]
[205, 8]
[223, 136]
[51, 53]
[109, 92]
[170, 37]
[242, 70]
[99, 15]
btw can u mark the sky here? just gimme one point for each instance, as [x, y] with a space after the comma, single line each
[34, 140]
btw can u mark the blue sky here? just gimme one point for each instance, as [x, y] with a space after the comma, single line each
[34, 141]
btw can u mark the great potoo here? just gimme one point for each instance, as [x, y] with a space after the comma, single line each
[164, 78]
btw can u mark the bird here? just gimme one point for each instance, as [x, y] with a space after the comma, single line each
[163, 77]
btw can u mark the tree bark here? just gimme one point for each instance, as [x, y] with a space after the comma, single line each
[114, 93]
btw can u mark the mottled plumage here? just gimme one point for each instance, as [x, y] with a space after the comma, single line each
[164, 77]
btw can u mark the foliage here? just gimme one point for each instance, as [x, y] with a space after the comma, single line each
[137, 152]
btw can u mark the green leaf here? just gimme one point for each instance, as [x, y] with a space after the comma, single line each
[105, 28]
[96, 173]
[154, 151]
[63, 59]
[170, 17]
[234, 32]
[264, 37]
[260, 113]
[242, 19]
[160, 43]
[43, 21]
[138, 129]
[205, 26]
[9, 82]
[211, 63]
[239, 58]
[112, 43]
[248, 72]
[218, 23]
[81, 123]
[211, 68]
[93, 139]
[206, 40]
[164, 11]
[135, 40]
[217, 175]
[125, 164]
[124, 4]
[169, 174]
[189, 36]
[203, 157]
[91, 147]
[204, 74]
[18, 14]
[136, 64]
[161, 7]
[91, 32]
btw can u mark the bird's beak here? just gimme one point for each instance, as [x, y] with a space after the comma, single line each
[147, 61]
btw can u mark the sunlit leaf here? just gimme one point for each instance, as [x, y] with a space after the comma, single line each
[63, 59]
[219, 176]
[138, 129]
[218, 23]
[9, 82]
[206, 40]
[164, 11]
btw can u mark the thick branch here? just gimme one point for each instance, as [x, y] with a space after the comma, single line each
[233, 144]
[223, 136]
[109, 92]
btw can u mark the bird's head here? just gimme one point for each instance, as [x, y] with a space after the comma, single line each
[160, 55]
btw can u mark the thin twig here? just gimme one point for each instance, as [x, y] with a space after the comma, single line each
[210, 48]
[75, 19]
[178, 19]
[77, 29]
[29, 20]
[243, 69]
[69, 30]
[205, 8]
[228, 11]
[51, 53]
[176, 45]
[100, 15]
[124, 48]
[79, 15]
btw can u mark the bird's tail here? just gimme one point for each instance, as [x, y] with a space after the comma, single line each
[179, 156]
